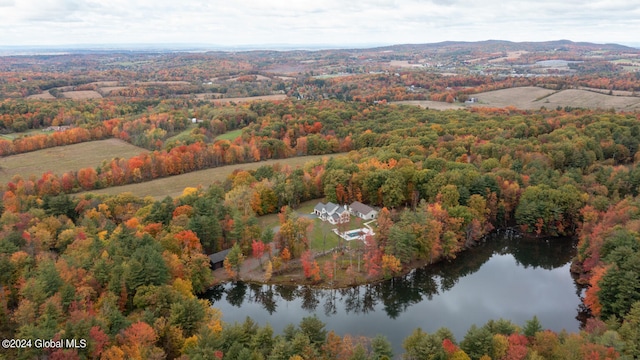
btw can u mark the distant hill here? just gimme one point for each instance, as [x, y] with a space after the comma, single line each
[484, 46]
[503, 45]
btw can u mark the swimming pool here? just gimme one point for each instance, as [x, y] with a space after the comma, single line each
[354, 234]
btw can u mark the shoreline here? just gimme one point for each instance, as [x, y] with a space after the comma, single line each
[253, 273]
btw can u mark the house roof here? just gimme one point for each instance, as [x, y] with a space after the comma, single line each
[219, 256]
[331, 207]
[361, 208]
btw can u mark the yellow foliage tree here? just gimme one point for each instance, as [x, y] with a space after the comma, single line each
[268, 271]
[390, 265]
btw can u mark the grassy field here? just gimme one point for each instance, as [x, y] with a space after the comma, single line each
[229, 135]
[428, 104]
[182, 134]
[12, 136]
[82, 94]
[44, 96]
[174, 185]
[527, 97]
[65, 158]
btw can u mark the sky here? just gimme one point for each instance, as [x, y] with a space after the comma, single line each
[315, 22]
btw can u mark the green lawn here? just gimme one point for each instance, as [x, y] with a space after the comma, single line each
[12, 136]
[229, 135]
[183, 134]
[323, 238]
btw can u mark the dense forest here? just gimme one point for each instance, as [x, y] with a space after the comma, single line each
[124, 272]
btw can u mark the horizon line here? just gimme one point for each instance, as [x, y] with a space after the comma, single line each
[266, 46]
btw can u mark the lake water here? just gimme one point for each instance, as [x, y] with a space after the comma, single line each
[503, 278]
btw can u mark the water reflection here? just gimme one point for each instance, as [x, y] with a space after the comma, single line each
[511, 278]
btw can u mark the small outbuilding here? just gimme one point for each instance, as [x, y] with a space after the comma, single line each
[216, 261]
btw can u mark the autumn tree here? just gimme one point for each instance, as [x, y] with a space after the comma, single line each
[258, 248]
[293, 232]
[233, 261]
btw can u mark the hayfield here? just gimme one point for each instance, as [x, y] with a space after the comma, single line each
[107, 89]
[82, 94]
[174, 185]
[230, 135]
[258, 78]
[403, 64]
[521, 97]
[65, 158]
[44, 96]
[534, 98]
[593, 100]
[428, 104]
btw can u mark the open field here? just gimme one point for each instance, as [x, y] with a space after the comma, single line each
[428, 104]
[65, 158]
[82, 95]
[606, 92]
[404, 64]
[107, 89]
[15, 135]
[535, 98]
[174, 185]
[230, 135]
[520, 97]
[258, 78]
[44, 96]
[250, 98]
[511, 55]
[161, 83]
[184, 133]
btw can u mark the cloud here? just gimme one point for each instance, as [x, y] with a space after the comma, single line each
[328, 22]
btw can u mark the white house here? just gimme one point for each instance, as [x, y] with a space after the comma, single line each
[332, 213]
[363, 211]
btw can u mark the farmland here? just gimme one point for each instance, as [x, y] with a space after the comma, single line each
[65, 158]
[82, 95]
[531, 98]
[428, 104]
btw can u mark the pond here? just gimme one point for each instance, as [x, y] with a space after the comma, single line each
[506, 277]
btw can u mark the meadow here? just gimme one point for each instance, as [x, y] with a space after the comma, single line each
[531, 98]
[65, 158]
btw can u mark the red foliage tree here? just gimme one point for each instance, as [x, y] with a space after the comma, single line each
[257, 249]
